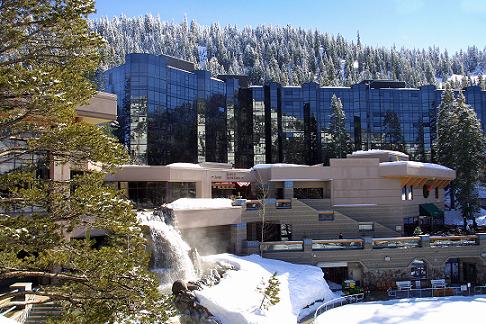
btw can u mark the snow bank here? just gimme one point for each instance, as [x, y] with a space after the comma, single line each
[455, 309]
[417, 165]
[236, 299]
[199, 203]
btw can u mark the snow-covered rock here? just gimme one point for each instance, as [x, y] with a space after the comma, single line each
[236, 299]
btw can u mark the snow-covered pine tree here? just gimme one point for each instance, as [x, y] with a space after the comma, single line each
[340, 143]
[300, 53]
[469, 148]
[270, 291]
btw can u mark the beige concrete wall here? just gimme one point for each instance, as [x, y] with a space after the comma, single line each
[192, 218]
[209, 240]
[100, 109]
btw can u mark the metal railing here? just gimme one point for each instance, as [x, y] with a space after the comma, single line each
[345, 300]
[429, 292]
[319, 245]
[396, 242]
[448, 241]
[376, 243]
[283, 246]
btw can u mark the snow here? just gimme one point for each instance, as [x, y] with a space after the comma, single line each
[185, 165]
[459, 77]
[6, 320]
[454, 217]
[457, 309]
[200, 203]
[236, 299]
[417, 165]
[277, 165]
[379, 152]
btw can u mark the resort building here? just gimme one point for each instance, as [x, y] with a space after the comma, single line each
[170, 112]
[355, 218]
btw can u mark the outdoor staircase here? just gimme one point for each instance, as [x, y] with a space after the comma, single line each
[41, 312]
[324, 205]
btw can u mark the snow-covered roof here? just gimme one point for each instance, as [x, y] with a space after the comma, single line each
[200, 203]
[185, 165]
[417, 165]
[379, 152]
[277, 165]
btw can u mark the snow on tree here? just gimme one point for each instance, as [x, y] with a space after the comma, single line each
[270, 290]
[286, 54]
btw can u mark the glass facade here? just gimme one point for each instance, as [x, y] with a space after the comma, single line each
[168, 112]
[147, 194]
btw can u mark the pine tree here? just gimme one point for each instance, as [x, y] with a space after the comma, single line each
[446, 124]
[469, 148]
[47, 53]
[340, 143]
[270, 291]
[393, 137]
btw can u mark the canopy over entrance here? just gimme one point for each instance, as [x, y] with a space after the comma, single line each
[430, 210]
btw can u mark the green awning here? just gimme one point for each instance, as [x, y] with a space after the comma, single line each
[430, 210]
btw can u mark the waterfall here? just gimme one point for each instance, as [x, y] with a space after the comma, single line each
[172, 257]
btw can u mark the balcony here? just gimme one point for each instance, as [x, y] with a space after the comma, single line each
[450, 241]
[283, 204]
[283, 246]
[323, 245]
[397, 243]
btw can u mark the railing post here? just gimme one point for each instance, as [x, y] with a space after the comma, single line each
[307, 245]
[481, 239]
[425, 241]
[367, 242]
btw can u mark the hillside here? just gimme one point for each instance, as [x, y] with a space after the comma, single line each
[289, 55]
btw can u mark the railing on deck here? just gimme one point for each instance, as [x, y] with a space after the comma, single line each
[349, 299]
[283, 204]
[283, 246]
[396, 242]
[377, 243]
[448, 241]
[319, 245]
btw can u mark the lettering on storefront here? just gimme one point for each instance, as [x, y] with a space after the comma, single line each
[233, 176]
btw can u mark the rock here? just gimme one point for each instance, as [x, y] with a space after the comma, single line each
[179, 286]
[193, 286]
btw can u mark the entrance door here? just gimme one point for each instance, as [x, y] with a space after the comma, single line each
[470, 272]
[451, 270]
[336, 275]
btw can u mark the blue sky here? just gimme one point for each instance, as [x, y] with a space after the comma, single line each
[450, 24]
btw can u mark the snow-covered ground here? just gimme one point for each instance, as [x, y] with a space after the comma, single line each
[454, 217]
[236, 299]
[442, 310]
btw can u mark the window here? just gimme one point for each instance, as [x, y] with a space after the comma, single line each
[407, 193]
[326, 217]
[436, 192]
[418, 269]
[410, 193]
[309, 193]
[426, 191]
[365, 227]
